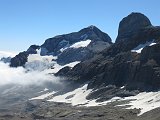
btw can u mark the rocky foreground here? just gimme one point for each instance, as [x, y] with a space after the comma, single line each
[42, 110]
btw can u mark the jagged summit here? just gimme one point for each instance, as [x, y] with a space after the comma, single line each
[90, 28]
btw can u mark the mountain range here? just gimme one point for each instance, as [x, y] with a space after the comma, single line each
[115, 81]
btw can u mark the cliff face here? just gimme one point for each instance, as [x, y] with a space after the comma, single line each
[123, 63]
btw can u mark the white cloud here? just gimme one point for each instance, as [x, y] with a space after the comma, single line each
[21, 76]
[36, 71]
[7, 54]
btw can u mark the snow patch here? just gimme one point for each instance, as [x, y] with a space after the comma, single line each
[72, 64]
[41, 97]
[75, 97]
[122, 87]
[57, 67]
[144, 101]
[81, 44]
[140, 47]
[78, 96]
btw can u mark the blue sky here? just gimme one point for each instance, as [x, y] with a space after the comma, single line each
[26, 22]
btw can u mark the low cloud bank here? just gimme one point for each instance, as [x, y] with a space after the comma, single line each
[21, 76]
[7, 54]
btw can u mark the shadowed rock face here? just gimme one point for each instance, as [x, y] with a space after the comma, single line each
[135, 29]
[151, 53]
[131, 24]
[140, 37]
[22, 57]
[71, 55]
[19, 60]
[32, 49]
[117, 65]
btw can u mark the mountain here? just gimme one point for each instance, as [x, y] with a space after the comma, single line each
[131, 24]
[131, 63]
[77, 46]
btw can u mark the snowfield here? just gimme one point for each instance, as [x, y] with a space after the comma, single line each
[43, 96]
[76, 97]
[144, 101]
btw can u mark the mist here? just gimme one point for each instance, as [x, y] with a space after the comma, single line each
[19, 75]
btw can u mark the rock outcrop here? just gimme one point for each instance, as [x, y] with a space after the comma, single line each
[22, 57]
[19, 60]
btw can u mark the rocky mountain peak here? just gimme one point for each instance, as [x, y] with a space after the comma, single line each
[85, 43]
[90, 28]
[92, 33]
[95, 34]
[131, 24]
